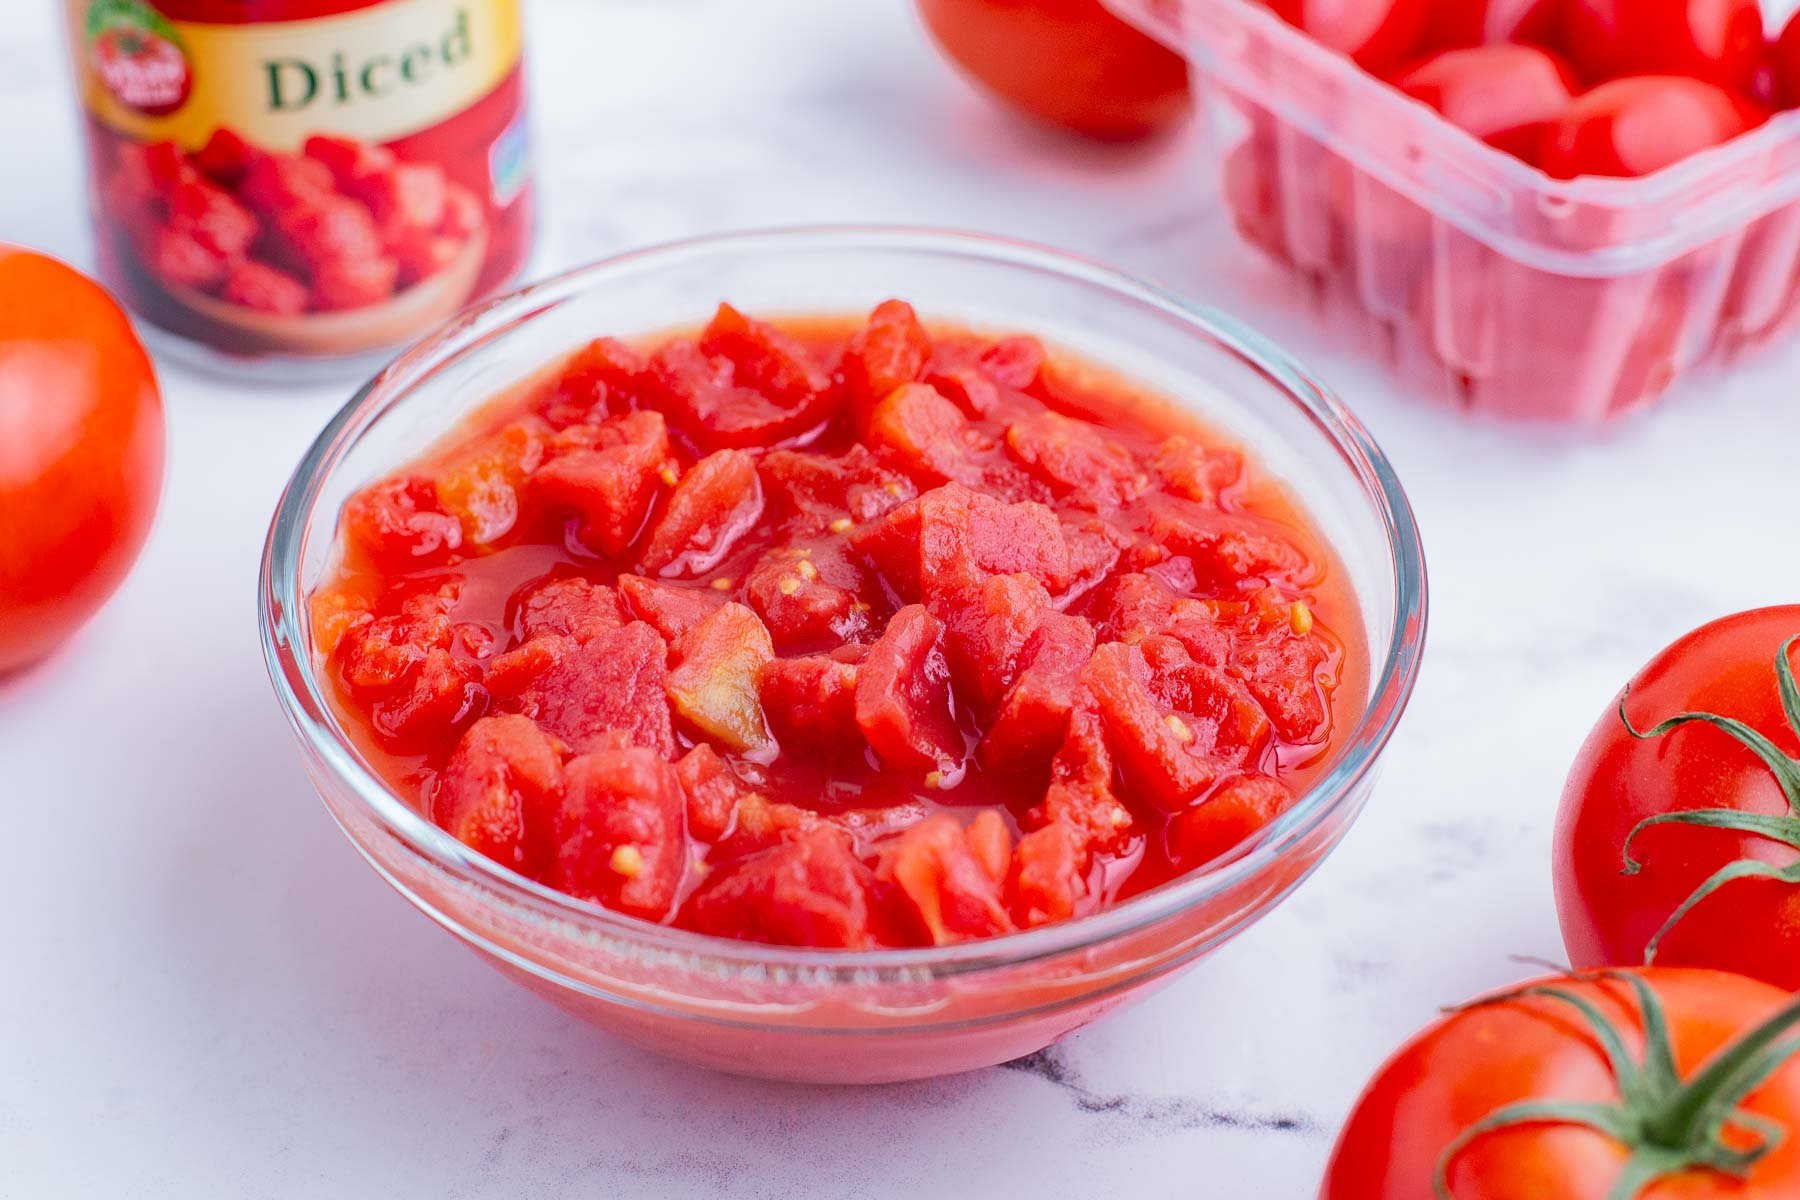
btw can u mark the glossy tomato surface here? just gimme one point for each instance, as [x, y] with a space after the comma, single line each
[1456, 23]
[1068, 62]
[1786, 56]
[1506, 95]
[1716, 40]
[81, 451]
[1479, 1060]
[1609, 916]
[1378, 34]
[1638, 126]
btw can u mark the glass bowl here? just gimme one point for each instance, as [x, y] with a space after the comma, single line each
[863, 1016]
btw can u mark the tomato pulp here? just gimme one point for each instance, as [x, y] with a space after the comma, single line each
[840, 634]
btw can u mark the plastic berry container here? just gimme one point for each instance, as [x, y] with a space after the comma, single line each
[1486, 282]
[868, 1015]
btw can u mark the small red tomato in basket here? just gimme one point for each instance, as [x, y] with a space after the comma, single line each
[1378, 34]
[1720, 41]
[1638, 126]
[1679, 836]
[1504, 94]
[81, 452]
[1652, 1084]
[1458, 23]
[1068, 62]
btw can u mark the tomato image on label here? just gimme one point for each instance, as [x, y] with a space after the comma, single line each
[138, 56]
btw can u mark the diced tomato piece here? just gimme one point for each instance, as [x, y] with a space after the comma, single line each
[610, 481]
[985, 631]
[1159, 752]
[903, 703]
[715, 682]
[891, 350]
[175, 256]
[259, 286]
[604, 379]
[811, 891]
[713, 791]
[274, 184]
[762, 823]
[621, 837]
[671, 608]
[1034, 718]
[1134, 606]
[334, 614]
[1082, 794]
[1049, 881]
[924, 434]
[951, 536]
[1229, 725]
[572, 607]
[581, 692]
[1226, 549]
[700, 393]
[464, 213]
[347, 159]
[480, 487]
[1236, 811]
[1013, 362]
[951, 887]
[168, 168]
[1282, 669]
[853, 486]
[1196, 473]
[409, 197]
[767, 359]
[329, 229]
[499, 792]
[811, 701]
[209, 214]
[715, 504]
[421, 254]
[226, 157]
[354, 283]
[969, 388]
[400, 523]
[437, 698]
[1076, 460]
[1095, 547]
[808, 596]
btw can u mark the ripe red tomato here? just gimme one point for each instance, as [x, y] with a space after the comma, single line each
[1640, 125]
[1615, 892]
[1506, 95]
[1579, 1088]
[1069, 62]
[1720, 41]
[1786, 54]
[1457, 23]
[1378, 34]
[81, 451]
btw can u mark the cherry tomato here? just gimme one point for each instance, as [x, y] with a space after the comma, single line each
[1589, 1087]
[1505, 95]
[81, 451]
[1720, 41]
[1068, 62]
[1456, 23]
[1786, 55]
[1640, 125]
[1378, 34]
[1624, 887]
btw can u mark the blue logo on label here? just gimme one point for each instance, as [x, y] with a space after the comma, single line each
[509, 161]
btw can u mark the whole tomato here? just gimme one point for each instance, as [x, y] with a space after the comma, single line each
[1457, 23]
[81, 451]
[1679, 825]
[1720, 41]
[1643, 1085]
[1504, 94]
[1069, 62]
[1378, 34]
[1640, 125]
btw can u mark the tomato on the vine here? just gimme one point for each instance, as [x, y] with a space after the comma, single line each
[1504, 94]
[1640, 125]
[81, 451]
[1679, 835]
[1720, 41]
[1643, 1085]
[1069, 62]
[1377, 34]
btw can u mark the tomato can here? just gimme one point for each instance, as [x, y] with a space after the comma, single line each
[303, 182]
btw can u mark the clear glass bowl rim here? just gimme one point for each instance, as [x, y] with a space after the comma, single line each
[288, 657]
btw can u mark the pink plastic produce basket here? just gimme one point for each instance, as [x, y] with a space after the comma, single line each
[1500, 289]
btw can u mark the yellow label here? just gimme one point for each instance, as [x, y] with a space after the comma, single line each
[377, 74]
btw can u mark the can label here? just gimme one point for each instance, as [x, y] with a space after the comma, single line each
[314, 177]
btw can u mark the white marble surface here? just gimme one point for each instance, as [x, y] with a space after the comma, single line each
[205, 993]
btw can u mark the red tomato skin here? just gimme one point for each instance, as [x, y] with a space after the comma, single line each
[1067, 62]
[1786, 62]
[81, 452]
[1378, 34]
[1459, 23]
[1638, 126]
[1607, 917]
[1472, 1062]
[1720, 41]
[1506, 95]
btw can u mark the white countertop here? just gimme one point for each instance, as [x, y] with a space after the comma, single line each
[205, 993]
